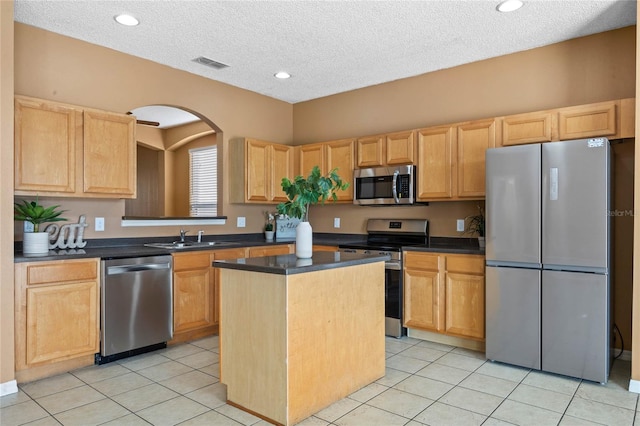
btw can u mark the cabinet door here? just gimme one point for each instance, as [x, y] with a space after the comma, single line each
[341, 156]
[192, 300]
[400, 148]
[465, 296]
[423, 300]
[370, 151]
[109, 154]
[586, 121]
[435, 165]
[527, 128]
[473, 140]
[310, 156]
[61, 321]
[423, 292]
[192, 291]
[258, 175]
[281, 166]
[48, 137]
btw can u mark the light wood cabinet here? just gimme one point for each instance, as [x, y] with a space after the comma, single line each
[451, 160]
[71, 151]
[612, 119]
[444, 293]
[533, 127]
[260, 251]
[193, 295]
[436, 163]
[474, 138]
[320, 247]
[259, 167]
[386, 150]
[339, 154]
[56, 313]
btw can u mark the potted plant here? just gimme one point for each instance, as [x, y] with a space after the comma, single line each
[303, 192]
[36, 242]
[268, 226]
[476, 226]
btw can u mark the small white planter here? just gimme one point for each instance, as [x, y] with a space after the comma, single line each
[35, 243]
[268, 235]
[481, 242]
[304, 240]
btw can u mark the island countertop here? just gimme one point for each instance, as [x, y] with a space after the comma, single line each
[289, 264]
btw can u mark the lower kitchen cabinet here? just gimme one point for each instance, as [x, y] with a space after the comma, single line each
[193, 296]
[260, 251]
[444, 293]
[57, 316]
[234, 253]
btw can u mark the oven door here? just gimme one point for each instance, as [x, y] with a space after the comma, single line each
[393, 299]
[384, 186]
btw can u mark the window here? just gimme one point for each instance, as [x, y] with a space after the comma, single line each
[203, 181]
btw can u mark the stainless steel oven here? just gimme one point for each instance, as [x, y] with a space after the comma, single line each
[388, 236]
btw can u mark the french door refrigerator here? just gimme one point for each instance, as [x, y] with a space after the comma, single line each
[547, 254]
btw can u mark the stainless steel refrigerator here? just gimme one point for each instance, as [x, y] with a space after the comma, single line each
[547, 254]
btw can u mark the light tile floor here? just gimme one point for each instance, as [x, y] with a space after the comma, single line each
[425, 384]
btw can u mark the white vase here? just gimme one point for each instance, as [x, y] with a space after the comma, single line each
[268, 235]
[304, 240]
[35, 243]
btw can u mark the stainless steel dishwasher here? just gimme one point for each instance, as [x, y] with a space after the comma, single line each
[136, 306]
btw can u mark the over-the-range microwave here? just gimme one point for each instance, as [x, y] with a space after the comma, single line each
[380, 186]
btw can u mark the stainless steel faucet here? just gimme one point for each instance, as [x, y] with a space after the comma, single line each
[200, 234]
[182, 234]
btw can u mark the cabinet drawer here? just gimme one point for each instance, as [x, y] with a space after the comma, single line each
[187, 261]
[269, 251]
[465, 264]
[226, 254]
[417, 260]
[59, 271]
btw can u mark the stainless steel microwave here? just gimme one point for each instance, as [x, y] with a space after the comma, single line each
[380, 186]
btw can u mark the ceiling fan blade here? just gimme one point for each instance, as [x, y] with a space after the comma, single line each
[145, 122]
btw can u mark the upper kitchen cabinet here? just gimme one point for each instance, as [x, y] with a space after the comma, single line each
[260, 168]
[473, 139]
[586, 121]
[330, 155]
[436, 154]
[386, 150]
[532, 127]
[69, 151]
[611, 119]
[450, 160]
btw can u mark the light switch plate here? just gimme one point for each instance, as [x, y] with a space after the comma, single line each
[241, 222]
[460, 225]
[99, 224]
[336, 222]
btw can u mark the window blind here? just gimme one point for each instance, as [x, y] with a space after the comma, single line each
[203, 181]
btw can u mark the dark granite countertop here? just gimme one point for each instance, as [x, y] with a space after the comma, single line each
[289, 264]
[115, 248]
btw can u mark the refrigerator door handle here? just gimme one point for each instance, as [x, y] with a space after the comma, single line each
[553, 183]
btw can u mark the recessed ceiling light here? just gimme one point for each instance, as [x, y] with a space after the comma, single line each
[509, 5]
[127, 20]
[282, 75]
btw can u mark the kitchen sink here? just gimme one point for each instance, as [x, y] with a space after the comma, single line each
[190, 244]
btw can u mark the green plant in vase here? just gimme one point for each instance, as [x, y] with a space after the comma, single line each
[36, 242]
[304, 192]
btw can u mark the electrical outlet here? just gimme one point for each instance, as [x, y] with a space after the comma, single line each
[460, 225]
[27, 226]
[241, 222]
[336, 222]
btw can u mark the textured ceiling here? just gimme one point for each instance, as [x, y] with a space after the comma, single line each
[329, 47]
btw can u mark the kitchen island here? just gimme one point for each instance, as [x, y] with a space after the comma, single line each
[296, 335]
